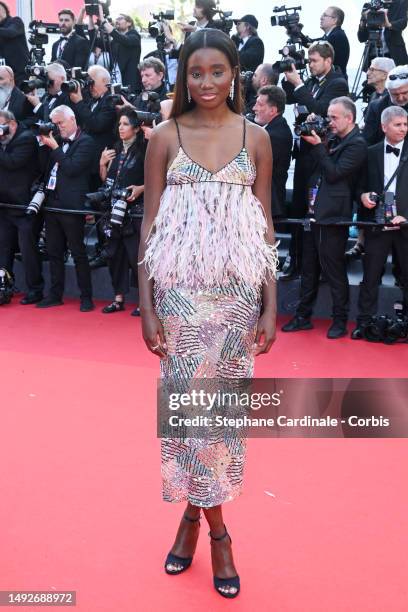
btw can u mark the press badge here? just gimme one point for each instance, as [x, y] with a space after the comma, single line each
[52, 181]
[312, 199]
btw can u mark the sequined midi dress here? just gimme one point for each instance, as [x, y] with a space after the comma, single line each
[208, 256]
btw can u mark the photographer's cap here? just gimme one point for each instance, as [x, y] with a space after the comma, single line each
[251, 19]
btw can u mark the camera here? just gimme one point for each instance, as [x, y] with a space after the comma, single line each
[320, 125]
[116, 92]
[6, 287]
[289, 20]
[376, 19]
[78, 79]
[155, 27]
[38, 34]
[4, 130]
[225, 22]
[45, 128]
[387, 329]
[384, 210]
[292, 56]
[153, 112]
[119, 205]
[30, 85]
[113, 202]
[92, 7]
[37, 201]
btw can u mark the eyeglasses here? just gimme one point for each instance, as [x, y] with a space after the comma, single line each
[401, 77]
[371, 69]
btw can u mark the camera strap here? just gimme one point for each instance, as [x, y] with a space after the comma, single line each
[396, 173]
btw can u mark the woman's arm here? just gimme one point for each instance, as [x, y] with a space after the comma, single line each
[262, 190]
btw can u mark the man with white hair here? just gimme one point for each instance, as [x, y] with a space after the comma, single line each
[377, 75]
[11, 98]
[386, 171]
[68, 164]
[397, 94]
[56, 75]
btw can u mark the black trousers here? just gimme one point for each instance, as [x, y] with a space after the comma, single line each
[25, 230]
[377, 247]
[62, 230]
[323, 250]
[123, 254]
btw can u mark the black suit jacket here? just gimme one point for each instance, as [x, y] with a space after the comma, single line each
[20, 107]
[281, 140]
[73, 174]
[13, 46]
[126, 50]
[252, 54]
[372, 179]
[339, 170]
[397, 16]
[332, 86]
[18, 168]
[338, 39]
[43, 112]
[98, 123]
[76, 51]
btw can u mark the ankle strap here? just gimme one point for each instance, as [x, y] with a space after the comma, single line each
[221, 537]
[191, 520]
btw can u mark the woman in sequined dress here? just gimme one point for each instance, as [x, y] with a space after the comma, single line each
[207, 275]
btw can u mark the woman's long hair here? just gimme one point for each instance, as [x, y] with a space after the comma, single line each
[139, 145]
[204, 39]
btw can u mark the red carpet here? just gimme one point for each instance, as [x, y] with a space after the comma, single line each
[321, 526]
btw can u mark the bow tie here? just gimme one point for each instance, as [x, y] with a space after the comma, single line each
[64, 38]
[390, 149]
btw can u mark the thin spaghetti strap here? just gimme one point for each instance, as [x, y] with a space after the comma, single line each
[243, 144]
[178, 132]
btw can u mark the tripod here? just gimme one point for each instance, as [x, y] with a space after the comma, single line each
[374, 47]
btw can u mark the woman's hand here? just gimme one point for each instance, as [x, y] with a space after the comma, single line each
[137, 190]
[153, 333]
[266, 333]
[107, 156]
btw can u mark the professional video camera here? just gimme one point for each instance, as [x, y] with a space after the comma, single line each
[78, 79]
[92, 7]
[293, 54]
[38, 39]
[374, 16]
[225, 22]
[4, 130]
[156, 27]
[6, 287]
[319, 124]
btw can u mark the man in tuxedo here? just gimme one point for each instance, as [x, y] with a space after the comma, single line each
[250, 47]
[269, 109]
[395, 22]
[56, 75]
[331, 193]
[11, 98]
[330, 22]
[13, 43]
[126, 49]
[18, 169]
[68, 162]
[71, 47]
[383, 161]
[397, 95]
[315, 94]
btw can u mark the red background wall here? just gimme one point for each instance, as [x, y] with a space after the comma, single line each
[47, 10]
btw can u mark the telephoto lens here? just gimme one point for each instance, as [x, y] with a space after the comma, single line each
[70, 87]
[35, 205]
[119, 205]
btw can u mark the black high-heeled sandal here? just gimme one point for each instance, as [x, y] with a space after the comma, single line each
[225, 582]
[185, 562]
[115, 306]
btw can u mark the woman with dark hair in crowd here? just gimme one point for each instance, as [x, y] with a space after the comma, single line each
[207, 276]
[122, 167]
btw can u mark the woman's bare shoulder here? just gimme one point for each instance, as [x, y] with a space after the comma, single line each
[165, 131]
[257, 134]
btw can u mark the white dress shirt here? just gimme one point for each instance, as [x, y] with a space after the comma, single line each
[391, 162]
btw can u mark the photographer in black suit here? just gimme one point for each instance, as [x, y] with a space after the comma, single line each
[18, 169]
[11, 98]
[397, 95]
[384, 160]
[250, 47]
[330, 22]
[126, 49]
[13, 43]
[315, 94]
[67, 172]
[71, 47]
[269, 109]
[331, 193]
[56, 75]
[395, 19]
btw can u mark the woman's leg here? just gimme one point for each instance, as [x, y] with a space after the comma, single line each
[221, 550]
[187, 536]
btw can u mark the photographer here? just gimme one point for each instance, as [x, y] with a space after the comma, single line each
[264, 75]
[397, 95]
[71, 47]
[11, 98]
[395, 22]
[18, 169]
[250, 47]
[204, 12]
[95, 114]
[377, 75]
[67, 172]
[126, 48]
[13, 43]
[56, 75]
[123, 168]
[315, 95]
[152, 74]
[168, 54]
[269, 109]
[331, 192]
[384, 160]
[330, 22]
